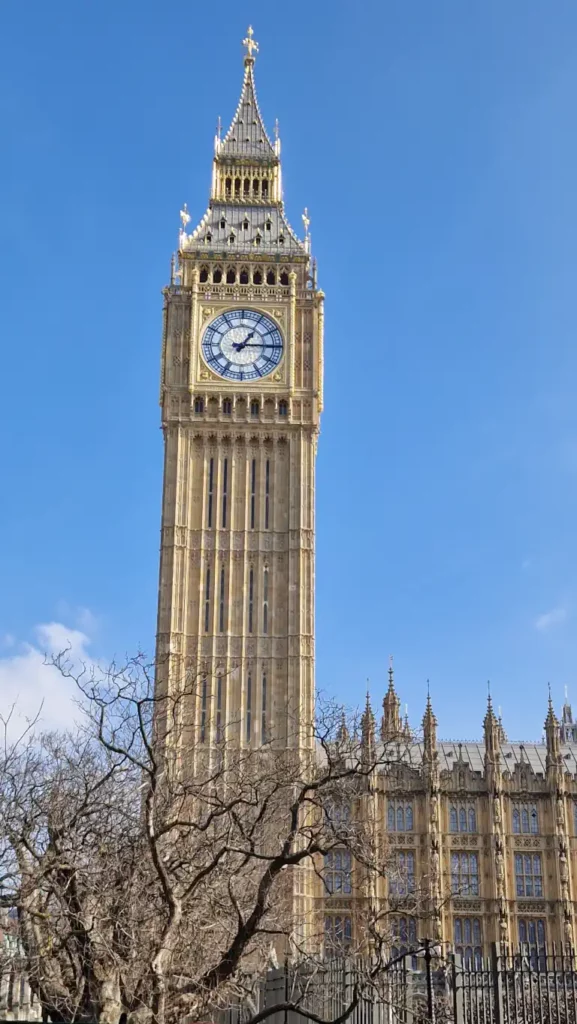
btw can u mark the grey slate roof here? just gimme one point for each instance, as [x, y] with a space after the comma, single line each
[473, 755]
[247, 138]
[235, 217]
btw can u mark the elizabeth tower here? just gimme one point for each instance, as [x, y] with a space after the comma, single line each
[241, 396]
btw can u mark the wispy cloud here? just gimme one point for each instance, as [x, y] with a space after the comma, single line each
[554, 617]
[32, 687]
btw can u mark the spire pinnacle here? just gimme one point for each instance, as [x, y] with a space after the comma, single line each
[251, 46]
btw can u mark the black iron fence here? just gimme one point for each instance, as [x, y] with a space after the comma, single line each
[521, 987]
[525, 986]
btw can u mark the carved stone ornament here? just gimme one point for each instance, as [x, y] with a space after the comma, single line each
[207, 312]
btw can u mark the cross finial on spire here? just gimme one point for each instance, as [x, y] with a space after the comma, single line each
[250, 44]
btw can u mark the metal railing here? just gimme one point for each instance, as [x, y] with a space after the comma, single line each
[530, 985]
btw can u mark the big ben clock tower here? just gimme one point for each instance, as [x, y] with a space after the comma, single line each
[241, 395]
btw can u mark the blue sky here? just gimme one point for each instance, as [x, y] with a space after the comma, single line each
[434, 146]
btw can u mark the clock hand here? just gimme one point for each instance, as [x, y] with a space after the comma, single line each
[239, 345]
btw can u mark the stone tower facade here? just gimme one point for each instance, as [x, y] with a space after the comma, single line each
[241, 396]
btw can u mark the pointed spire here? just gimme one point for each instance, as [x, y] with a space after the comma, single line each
[368, 726]
[552, 735]
[342, 731]
[429, 729]
[491, 731]
[391, 724]
[247, 136]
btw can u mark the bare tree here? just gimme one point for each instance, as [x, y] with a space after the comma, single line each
[156, 886]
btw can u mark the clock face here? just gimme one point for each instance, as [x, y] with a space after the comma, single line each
[242, 344]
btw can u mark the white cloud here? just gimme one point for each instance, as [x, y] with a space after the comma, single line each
[33, 687]
[554, 617]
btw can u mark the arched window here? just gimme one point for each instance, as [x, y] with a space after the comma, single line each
[203, 276]
[252, 492]
[268, 224]
[265, 602]
[472, 820]
[282, 407]
[208, 236]
[223, 222]
[266, 493]
[210, 491]
[246, 186]
[454, 824]
[231, 275]
[203, 703]
[516, 822]
[217, 275]
[254, 408]
[257, 240]
[263, 728]
[391, 818]
[524, 820]
[248, 709]
[207, 601]
[250, 598]
[228, 186]
[462, 820]
[227, 406]
[219, 709]
[255, 187]
[257, 277]
[281, 239]
[221, 602]
[265, 189]
[400, 819]
[237, 188]
[534, 826]
[224, 492]
[244, 276]
[199, 405]
[284, 279]
[271, 277]
[245, 224]
[231, 238]
[408, 818]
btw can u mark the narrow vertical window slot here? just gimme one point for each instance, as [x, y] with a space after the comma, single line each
[210, 491]
[224, 491]
[266, 493]
[248, 708]
[252, 493]
[203, 712]
[219, 709]
[207, 601]
[221, 602]
[250, 598]
[263, 730]
[265, 602]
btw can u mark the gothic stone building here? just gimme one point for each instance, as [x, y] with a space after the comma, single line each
[487, 830]
[490, 827]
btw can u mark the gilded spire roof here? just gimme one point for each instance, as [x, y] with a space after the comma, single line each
[243, 218]
[247, 136]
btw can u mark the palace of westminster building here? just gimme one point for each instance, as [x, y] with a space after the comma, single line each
[490, 826]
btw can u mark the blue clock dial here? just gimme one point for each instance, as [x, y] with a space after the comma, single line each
[242, 344]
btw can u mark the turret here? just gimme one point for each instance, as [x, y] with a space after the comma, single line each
[391, 725]
[552, 738]
[368, 731]
[429, 733]
[492, 732]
